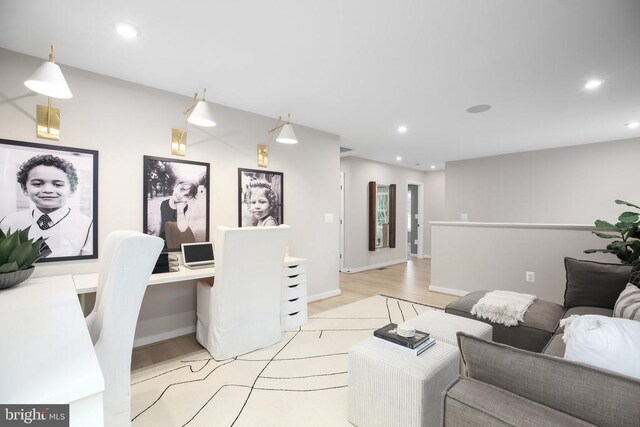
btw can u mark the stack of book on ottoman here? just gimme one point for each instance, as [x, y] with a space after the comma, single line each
[404, 338]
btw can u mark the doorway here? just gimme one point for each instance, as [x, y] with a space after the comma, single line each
[414, 219]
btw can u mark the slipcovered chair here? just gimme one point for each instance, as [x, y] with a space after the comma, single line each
[127, 259]
[241, 312]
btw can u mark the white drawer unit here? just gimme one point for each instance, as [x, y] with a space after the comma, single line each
[293, 306]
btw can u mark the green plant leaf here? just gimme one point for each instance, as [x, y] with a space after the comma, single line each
[8, 267]
[606, 225]
[622, 202]
[7, 246]
[21, 254]
[606, 236]
[24, 234]
[629, 217]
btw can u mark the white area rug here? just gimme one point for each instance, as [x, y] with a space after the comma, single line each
[301, 381]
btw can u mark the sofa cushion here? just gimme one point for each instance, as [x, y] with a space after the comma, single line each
[604, 342]
[540, 321]
[555, 347]
[474, 403]
[593, 395]
[628, 304]
[594, 284]
[582, 311]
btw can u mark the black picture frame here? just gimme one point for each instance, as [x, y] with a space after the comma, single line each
[275, 181]
[168, 186]
[66, 190]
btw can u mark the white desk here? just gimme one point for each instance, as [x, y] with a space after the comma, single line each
[47, 356]
[87, 283]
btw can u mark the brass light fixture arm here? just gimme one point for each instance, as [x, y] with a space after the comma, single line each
[279, 125]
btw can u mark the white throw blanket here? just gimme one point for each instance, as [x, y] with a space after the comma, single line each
[507, 308]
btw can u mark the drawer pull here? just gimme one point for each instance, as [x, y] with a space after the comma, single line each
[295, 299]
[292, 266]
[294, 276]
[293, 286]
[293, 314]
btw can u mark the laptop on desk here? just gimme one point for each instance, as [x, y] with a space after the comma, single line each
[198, 255]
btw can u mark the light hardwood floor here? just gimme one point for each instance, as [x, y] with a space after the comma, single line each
[408, 280]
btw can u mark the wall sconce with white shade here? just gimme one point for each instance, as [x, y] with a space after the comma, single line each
[286, 135]
[199, 114]
[48, 80]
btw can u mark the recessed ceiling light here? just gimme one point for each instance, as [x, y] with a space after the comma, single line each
[433, 166]
[632, 125]
[398, 158]
[479, 108]
[127, 31]
[402, 129]
[593, 84]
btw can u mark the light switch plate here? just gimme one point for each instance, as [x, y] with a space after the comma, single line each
[328, 218]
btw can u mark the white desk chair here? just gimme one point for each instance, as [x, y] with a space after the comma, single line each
[127, 260]
[241, 312]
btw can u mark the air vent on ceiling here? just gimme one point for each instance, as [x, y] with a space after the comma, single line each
[345, 150]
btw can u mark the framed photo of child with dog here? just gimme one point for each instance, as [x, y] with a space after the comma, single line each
[53, 190]
[176, 201]
[260, 198]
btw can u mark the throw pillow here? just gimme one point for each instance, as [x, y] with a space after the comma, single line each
[628, 304]
[594, 284]
[604, 342]
[635, 275]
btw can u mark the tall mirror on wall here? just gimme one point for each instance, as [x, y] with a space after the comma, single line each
[382, 216]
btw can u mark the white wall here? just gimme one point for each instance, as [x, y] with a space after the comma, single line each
[358, 172]
[469, 257]
[571, 185]
[125, 121]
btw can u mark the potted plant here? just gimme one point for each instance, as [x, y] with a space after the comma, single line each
[624, 242]
[18, 253]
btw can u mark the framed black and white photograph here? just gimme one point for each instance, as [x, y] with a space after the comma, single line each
[260, 198]
[53, 190]
[176, 201]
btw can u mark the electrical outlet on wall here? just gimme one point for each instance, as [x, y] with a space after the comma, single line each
[464, 217]
[530, 276]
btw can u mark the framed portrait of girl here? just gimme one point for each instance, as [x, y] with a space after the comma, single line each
[260, 198]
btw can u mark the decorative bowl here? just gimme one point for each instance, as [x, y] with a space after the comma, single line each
[7, 280]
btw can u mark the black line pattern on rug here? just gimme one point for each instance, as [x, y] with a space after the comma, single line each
[293, 358]
[271, 360]
[386, 301]
[256, 379]
[400, 308]
[413, 302]
[305, 376]
[341, 330]
[175, 369]
[179, 383]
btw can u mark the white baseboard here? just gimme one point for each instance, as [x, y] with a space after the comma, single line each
[150, 339]
[374, 266]
[324, 295]
[449, 291]
[426, 256]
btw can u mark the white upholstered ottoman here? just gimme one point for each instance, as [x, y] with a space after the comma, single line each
[388, 387]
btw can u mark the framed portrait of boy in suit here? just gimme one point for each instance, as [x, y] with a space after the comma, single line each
[53, 190]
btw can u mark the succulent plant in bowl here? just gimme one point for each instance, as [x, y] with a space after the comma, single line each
[18, 253]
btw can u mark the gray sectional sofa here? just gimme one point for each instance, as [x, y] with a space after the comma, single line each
[507, 386]
[591, 288]
[521, 379]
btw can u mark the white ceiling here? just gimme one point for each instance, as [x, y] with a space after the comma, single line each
[361, 68]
